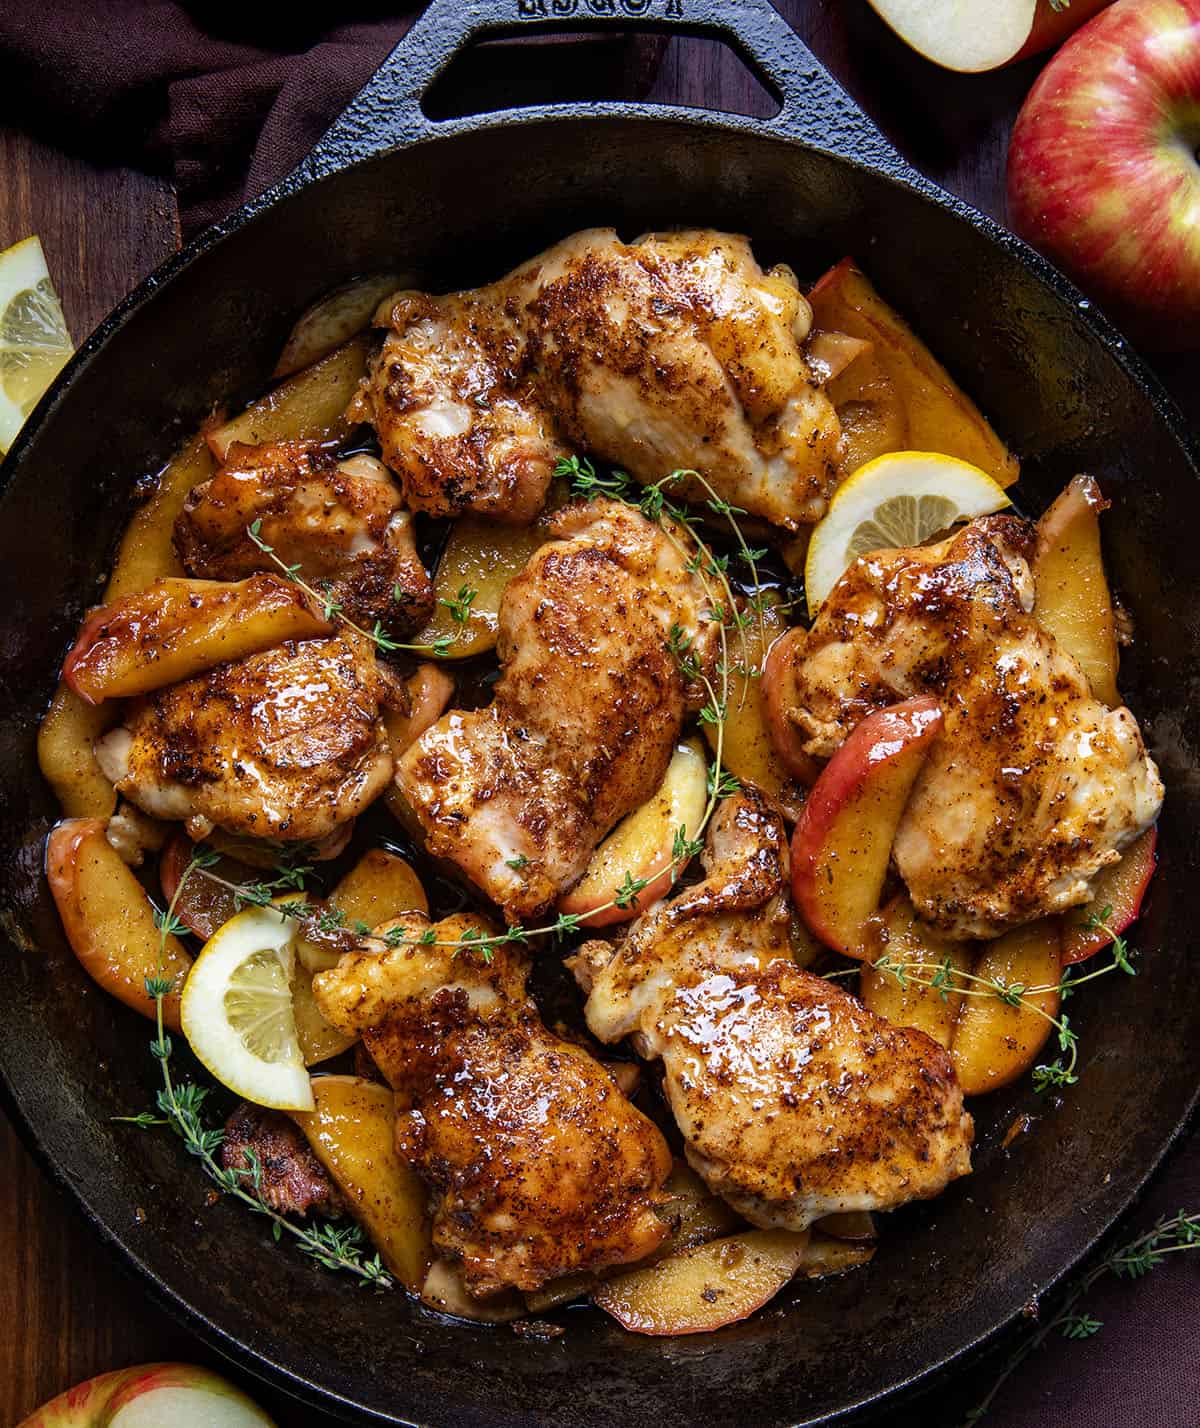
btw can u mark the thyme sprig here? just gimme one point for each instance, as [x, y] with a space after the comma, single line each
[1173, 1234]
[331, 609]
[181, 1103]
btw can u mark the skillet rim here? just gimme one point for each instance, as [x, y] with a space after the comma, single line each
[309, 176]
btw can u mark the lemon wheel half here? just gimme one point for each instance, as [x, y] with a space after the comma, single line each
[34, 342]
[236, 1010]
[900, 499]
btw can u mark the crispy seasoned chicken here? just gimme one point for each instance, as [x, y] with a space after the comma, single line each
[1033, 786]
[586, 714]
[674, 352]
[291, 1180]
[339, 521]
[794, 1101]
[287, 744]
[537, 1163]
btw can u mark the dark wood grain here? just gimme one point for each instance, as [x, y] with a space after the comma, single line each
[67, 1311]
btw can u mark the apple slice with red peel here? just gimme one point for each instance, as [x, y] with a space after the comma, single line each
[203, 905]
[779, 696]
[977, 35]
[705, 1287]
[1072, 599]
[641, 847]
[151, 1396]
[109, 920]
[1119, 887]
[843, 840]
[907, 940]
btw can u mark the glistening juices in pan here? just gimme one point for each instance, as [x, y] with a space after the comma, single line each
[597, 773]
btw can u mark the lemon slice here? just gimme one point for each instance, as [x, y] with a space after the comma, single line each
[237, 1014]
[34, 341]
[899, 499]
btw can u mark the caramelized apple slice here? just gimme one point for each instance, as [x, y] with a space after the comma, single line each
[641, 847]
[175, 629]
[310, 405]
[857, 1226]
[203, 904]
[843, 841]
[1072, 597]
[109, 920]
[778, 697]
[333, 320]
[318, 1041]
[66, 757]
[898, 396]
[351, 1131]
[378, 888]
[826, 1255]
[147, 548]
[705, 1287]
[1120, 888]
[904, 939]
[445, 1291]
[993, 1041]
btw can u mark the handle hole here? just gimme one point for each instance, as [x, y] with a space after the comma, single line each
[567, 68]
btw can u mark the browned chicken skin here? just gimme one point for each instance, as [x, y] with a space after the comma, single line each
[339, 521]
[1033, 786]
[291, 1179]
[793, 1099]
[586, 713]
[287, 744]
[674, 352]
[538, 1164]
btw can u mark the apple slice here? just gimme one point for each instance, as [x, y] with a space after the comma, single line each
[445, 1291]
[151, 1396]
[905, 939]
[175, 629]
[203, 904]
[333, 320]
[109, 920]
[147, 550]
[1121, 887]
[778, 697]
[379, 888]
[857, 1226]
[1072, 599]
[976, 35]
[994, 1043]
[825, 1255]
[898, 396]
[842, 843]
[641, 847]
[705, 1287]
[352, 1133]
[67, 757]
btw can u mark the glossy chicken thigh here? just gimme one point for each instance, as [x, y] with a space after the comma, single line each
[538, 1165]
[674, 352]
[1033, 785]
[794, 1101]
[586, 714]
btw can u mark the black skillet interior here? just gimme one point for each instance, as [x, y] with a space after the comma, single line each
[452, 204]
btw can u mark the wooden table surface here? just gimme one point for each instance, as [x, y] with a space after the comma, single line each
[68, 1312]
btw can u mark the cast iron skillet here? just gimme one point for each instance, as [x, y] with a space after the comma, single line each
[448, 204]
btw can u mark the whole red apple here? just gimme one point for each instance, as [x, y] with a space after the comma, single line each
[1102, 169]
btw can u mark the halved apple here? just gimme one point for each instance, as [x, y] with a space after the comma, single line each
[333, 320]
[779, 696]
[843, 841]
[150, 1396]
[352, 1133]
[1121, 887]
[922, 951]
[310, 405]
[705, 1287]
[976, 35]
[66, 754]
[1072, 599]
[994, 1042]
[109, 920]
[898, 396]
[641, 846]
[175, 629]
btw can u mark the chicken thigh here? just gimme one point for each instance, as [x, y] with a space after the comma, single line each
[1033, 785]
[537, 1163]
[340, 522]
[287, 744]
[794, 1101]
[586, 713]
[676, 352]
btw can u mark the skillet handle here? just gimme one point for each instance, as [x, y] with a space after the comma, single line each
[814, 107]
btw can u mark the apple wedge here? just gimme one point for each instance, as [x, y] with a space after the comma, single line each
[705, 1287]
[351, 1131]
[445, 1291]
[976, 35]
[922, 951]
[430, 690]
[175, 629]
[1072, 599]
[109, 920]
[66, 754]
[1120, 887]
[826, 1255]
[898, 396]
[333, 320]
[202, 904]
[778, 697]
[842, 843]
[640, 849]
[994, 1042]
[151, 1396]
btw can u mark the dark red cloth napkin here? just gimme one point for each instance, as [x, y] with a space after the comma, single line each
[226, 99]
